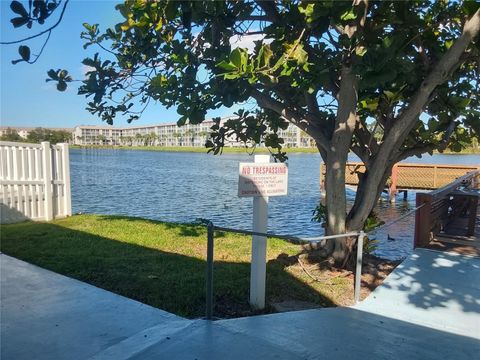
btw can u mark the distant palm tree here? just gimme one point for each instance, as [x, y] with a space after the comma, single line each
[138, 139]
[101, 139]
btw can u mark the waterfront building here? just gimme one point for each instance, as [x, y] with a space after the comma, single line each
[170, 134]
[165, 134]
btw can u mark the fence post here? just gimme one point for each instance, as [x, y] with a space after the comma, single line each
[67, 193]
[16, 199]
[209, 297]
[47, 179]
[358, 268]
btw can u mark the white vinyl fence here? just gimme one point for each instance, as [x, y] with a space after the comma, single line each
[34, 181]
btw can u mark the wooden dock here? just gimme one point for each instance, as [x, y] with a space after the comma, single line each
[455, 240]
[407, 176]
[449, 217]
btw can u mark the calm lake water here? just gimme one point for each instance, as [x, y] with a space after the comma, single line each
[180, 187]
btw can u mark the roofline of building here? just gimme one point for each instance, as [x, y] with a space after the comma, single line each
[111, 127]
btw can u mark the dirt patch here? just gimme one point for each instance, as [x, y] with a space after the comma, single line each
[374, 272]
[332, 283]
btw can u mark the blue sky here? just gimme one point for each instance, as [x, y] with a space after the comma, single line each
[27, 100]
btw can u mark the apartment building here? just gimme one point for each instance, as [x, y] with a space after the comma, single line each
[169, 134]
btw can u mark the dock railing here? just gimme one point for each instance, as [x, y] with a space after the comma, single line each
[441, 206]
[293, 239]
[34, 181]
[406, 176]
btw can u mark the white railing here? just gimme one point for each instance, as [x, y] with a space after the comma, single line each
[34, 181]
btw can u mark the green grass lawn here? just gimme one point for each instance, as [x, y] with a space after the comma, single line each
[163, 264]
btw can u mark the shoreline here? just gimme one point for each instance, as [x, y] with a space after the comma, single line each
[191, 149]
[232, 150]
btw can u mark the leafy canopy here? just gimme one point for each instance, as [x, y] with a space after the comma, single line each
[184, 54]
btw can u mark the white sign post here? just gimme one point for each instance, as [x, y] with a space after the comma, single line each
[260, 180]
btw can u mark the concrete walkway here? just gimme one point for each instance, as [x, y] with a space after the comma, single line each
[429, 308]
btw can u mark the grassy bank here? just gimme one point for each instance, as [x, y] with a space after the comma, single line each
[238, 150]
[226, 150]
[163, 264]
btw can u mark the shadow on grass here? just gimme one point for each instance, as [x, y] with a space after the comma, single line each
[169, 281]
[183, 230]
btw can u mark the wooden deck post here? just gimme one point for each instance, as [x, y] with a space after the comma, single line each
[323, 193]
[392, 191]
[423, 220]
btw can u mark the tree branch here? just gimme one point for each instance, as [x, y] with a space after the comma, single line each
[256, 18]
[40, 33]
[439, 74]
[312, 104]
[415, 151]
[366, 140]
[385, 157]
[269, 9]
[292, 116]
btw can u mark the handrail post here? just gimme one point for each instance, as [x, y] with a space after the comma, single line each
[423, 220]
[209, 297]
[358, 268]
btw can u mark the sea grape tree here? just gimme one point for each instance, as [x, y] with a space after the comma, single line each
[385, 80]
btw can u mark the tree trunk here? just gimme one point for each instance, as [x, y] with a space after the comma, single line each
[336, 160]
[369, 190]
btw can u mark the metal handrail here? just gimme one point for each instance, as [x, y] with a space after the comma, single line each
[297, 240]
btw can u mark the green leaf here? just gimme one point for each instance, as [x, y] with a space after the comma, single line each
[307, 10]
[62, 85]
[52, 74]
[264, 56]
[300, 54]
[24, 52]
[231, 76]
[238, 58]
[19, 21]
[226, 65]
[297, 53]
[459, 102]
[170, 10]
[387, 42]
[360, 51]
[432, 124]
[18, 8]
[182, 121]
[470, 7]
[389, 94]
[348, 15]
[369, 104]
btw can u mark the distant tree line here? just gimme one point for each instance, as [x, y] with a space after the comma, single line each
[38, 135]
